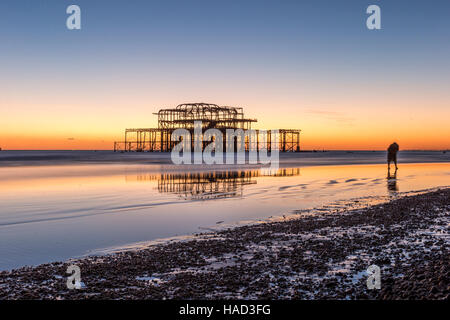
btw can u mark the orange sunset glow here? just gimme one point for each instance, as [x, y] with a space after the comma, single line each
[89, 126]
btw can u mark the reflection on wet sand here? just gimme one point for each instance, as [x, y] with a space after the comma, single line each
[49, 213]
[209, 185]
[206, 186]
[392, 181]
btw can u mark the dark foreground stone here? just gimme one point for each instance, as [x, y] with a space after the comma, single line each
[320, 256]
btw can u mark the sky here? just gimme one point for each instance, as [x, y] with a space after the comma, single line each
[311, 65]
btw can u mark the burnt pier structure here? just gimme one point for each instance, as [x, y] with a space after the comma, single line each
[211, 116]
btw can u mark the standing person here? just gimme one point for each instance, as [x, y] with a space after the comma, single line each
[392, 154]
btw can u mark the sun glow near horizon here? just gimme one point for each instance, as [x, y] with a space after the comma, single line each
[337, 128]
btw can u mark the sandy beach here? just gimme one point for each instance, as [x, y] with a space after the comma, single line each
[321, 254]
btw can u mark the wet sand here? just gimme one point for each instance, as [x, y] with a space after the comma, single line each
[320, 254]
[54, 213]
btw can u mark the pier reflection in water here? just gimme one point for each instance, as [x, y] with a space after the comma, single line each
[52, 213]
[210, 185]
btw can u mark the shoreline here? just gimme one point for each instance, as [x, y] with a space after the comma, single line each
[320, 256]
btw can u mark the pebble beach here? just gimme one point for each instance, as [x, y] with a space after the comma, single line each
[322, 254]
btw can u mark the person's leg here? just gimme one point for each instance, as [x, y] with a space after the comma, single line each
[395, 161]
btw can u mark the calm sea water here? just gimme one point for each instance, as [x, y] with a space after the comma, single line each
[59, 205]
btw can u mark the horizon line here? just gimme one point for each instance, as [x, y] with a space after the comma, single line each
[304, 150]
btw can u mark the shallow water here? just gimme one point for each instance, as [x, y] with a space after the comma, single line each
[58, 157]
[51, 213]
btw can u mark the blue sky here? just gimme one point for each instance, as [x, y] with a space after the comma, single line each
[177, 35]
[287, 56]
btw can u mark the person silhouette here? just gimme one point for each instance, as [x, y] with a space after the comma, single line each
[392, 154]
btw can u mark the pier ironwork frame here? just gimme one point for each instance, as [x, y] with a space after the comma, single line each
[211, 116]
